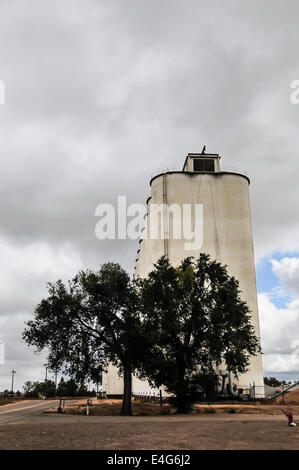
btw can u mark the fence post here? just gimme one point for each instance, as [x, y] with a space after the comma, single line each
[283, 395]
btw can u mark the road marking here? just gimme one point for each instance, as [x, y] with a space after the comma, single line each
[23, 408]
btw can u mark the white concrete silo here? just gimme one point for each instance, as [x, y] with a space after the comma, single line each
[227, 237]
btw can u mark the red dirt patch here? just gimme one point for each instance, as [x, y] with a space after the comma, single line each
[112, 407]
[290, 398]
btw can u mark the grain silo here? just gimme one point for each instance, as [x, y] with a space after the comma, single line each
[226, 236]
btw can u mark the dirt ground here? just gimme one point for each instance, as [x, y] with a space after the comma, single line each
[227, 426]
[185, 432]
[291, 398]
[112, 407]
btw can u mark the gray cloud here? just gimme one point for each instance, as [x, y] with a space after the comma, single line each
[101, 94]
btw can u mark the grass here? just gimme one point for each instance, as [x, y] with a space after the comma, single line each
[6, 401]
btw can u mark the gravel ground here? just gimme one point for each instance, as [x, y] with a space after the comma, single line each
[154, 433]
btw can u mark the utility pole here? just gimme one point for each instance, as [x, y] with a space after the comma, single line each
[46, 373]
[13, 372]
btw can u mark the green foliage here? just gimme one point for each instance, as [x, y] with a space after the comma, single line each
[87, 323]
[173, 328]
[37, 389]
[31, 389]
[194, 319]
[70, 388]
[62, 388]
[82, 391]
[272, 381]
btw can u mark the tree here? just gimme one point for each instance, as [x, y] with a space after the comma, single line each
[272, 381]
[82, 391]
[62, 388]
[35, 389]
[30, 389]
[194, 320]
[91, 321]
[68, 388]
[48, 388]
[71, 388]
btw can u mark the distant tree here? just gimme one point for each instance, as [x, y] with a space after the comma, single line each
[89, 322]
[82, 391]
[28, 386]
[31, 389]
[194, 320]
[272, 381]
[62, 388]
[47, 388]
[96, 376]
[71, 388]
[36, 389]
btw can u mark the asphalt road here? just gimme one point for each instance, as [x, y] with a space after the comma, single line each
[26, 411]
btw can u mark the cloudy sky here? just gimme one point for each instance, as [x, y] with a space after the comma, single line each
[99, 94]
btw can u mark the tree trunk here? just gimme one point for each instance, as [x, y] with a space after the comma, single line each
[126, 409]
[182, 398]
[183, 406]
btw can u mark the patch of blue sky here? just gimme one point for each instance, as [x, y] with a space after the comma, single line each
[268, 283]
